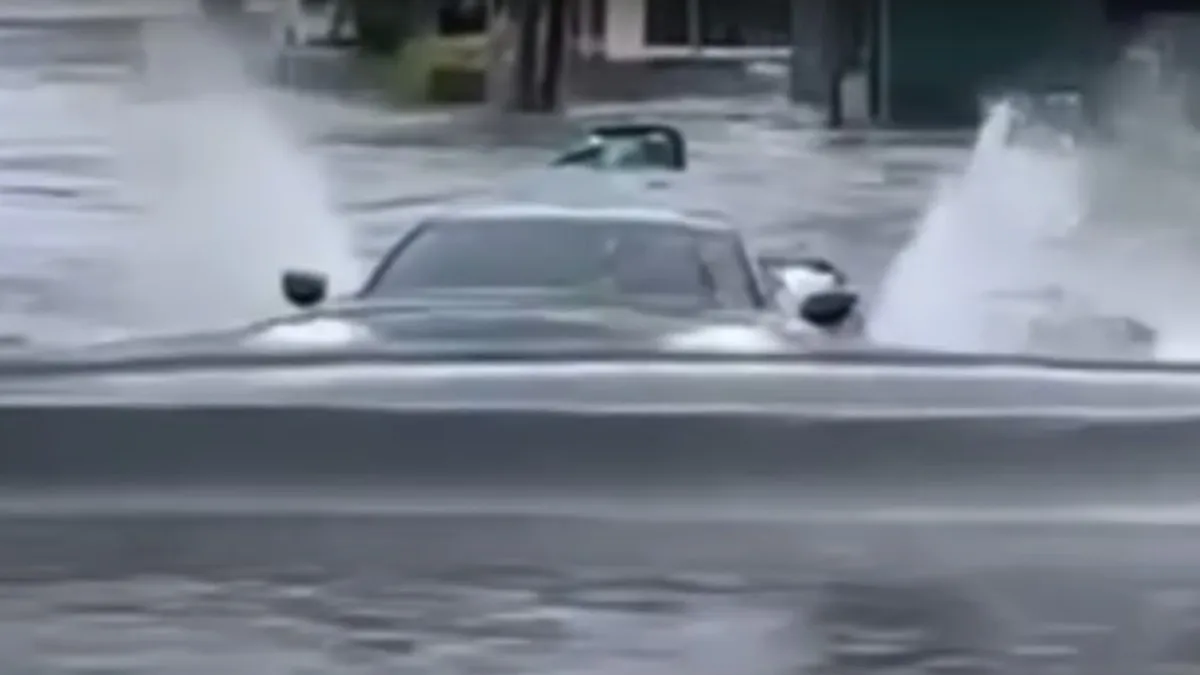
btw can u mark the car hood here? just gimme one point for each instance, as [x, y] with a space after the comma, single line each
[510, 325]
[479, 326]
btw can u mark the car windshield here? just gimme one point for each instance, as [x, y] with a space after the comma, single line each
[618, 258]
[632, 152]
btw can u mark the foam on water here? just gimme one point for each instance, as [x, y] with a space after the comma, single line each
[986, 240]
[1139, 250]
[1108, 220]
[228, 199]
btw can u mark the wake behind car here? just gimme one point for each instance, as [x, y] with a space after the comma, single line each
[537, 273]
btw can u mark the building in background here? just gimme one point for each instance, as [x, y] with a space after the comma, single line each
[619, 30]
[938, 59]
[913, 62]
[313, 22]
[636, 30]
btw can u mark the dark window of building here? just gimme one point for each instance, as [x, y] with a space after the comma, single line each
[598, 20]
[462, 17]
[667, 22]
[745, 23]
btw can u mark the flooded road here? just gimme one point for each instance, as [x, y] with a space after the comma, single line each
[93, 118]
[138, 192]
[496, 594]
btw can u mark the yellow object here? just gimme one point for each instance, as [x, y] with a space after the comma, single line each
[415, 62]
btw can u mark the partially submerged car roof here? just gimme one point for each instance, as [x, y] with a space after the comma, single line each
[586, 215]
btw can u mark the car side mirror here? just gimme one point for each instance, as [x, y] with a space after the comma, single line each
[801, 276]
[829, 309]
[304, 289]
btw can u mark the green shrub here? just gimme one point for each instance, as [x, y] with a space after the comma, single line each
[410, 67]
[381, 26]
[434, 69]
[457, 85]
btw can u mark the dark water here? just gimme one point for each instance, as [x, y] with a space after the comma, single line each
[303, 539]
[650, 524]
[161, 594]
[443, 593]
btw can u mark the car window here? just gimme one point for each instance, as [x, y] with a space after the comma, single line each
[624, 258]
[734, 276]
[663, 263]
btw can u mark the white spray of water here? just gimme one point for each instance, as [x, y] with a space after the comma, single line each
[228, 199]
[986, 240]
[1141, 247]
[1122, 213]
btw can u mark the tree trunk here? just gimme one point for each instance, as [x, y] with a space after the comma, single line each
[835, 57]
[528, 17]
[835, 116]
[550, 98]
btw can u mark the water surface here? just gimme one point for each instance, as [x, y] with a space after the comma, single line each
[993, 537]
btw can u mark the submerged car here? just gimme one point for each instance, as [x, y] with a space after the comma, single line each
[628, 147]
[655, 279]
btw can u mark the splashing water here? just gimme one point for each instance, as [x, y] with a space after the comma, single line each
[1141, 246]
[985, 242]
[228, 201]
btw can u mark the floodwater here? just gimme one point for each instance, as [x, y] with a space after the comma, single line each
[142, 188]
[92, 119]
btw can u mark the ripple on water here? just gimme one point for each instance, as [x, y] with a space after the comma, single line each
[60, 209]
[168, 625]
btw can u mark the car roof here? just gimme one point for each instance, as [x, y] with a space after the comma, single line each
[585, 216]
